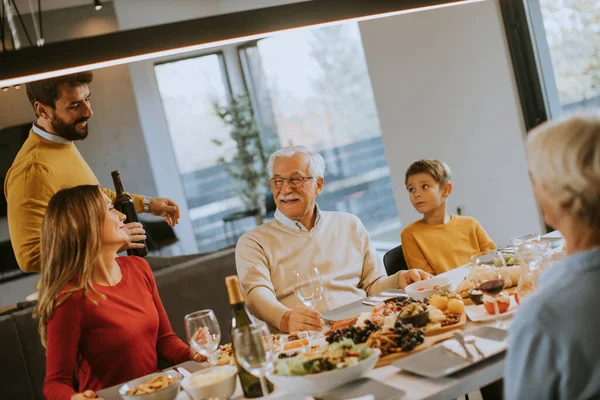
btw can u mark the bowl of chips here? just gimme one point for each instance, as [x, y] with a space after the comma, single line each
[157, 386]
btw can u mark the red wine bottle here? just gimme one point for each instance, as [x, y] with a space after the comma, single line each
[124, 203]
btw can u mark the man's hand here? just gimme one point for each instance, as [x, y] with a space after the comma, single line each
[136, 233]
[165, 208]
[88, 394]
[301, 318]
[411, 276]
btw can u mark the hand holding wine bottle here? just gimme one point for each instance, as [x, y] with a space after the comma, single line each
[136, 234]
[124, 203]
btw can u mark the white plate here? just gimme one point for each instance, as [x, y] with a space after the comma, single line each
[324, 381]
[479, 314]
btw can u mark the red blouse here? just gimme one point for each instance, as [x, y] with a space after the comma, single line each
[115, 341]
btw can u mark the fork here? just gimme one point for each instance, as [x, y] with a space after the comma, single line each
[458, 336]
[470, 339]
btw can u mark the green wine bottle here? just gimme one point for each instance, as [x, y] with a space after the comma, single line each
[241, 317]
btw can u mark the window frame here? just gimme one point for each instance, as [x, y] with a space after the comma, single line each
[526, 65]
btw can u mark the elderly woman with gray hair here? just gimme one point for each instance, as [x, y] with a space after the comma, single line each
[554, 351]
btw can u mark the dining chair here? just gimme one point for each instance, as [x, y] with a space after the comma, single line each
[394, 261]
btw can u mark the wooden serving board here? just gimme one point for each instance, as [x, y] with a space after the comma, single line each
[429, 341]
[460, 325]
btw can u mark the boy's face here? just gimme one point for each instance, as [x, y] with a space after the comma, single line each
[425, 193]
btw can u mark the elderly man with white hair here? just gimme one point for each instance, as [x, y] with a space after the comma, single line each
[302, 237]
[553, 350]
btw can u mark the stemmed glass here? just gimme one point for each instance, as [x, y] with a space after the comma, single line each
[533, 257]
[489, 280]
[527, 238]
[308, 287]
[255, 350]
[203, 332]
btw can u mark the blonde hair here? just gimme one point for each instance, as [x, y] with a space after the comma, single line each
[439, 171]
[564, 158]
[70, 243]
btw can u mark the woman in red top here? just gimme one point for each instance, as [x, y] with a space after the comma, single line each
[101, 318]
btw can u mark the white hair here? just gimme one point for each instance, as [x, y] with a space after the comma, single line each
[316, 164]
[564, 158]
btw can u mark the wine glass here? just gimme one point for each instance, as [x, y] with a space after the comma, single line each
[489, 280]
[527, 238]
[203, 332]
[254, 351]
[308, 287]
[531, 258]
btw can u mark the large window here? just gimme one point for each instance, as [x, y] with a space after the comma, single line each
[572, 33]
[308, 87]
[312, 88]
[189, 89]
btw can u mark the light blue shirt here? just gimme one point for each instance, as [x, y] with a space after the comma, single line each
[296, 225]
[48, 136]
[554, 340]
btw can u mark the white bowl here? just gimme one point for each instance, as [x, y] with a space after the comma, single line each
[428, 287]
[222, 389]
[324, 381]
[168, 393]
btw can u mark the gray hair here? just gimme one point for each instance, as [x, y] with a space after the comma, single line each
[316, 164]
[564, 157]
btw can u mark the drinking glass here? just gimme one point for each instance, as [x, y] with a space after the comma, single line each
[527, 238]
[203, 332]
[489, 280]
[308, 286]
[255, 351]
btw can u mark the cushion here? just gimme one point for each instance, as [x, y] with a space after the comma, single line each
[33, 351]
[196, 285]
[14, 379]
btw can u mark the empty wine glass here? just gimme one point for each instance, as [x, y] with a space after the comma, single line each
[489, 280]
[254, 351]
[527, 238]
[531, 259]
[308, 287]
[203, 332]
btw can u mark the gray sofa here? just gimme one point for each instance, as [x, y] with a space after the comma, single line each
[185, 283]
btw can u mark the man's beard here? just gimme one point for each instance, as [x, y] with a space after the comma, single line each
[69, 131]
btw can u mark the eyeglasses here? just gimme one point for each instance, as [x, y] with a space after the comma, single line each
[294, 181]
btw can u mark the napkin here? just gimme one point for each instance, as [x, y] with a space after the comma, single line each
[488, 347]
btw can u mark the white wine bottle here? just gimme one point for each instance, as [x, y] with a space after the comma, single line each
[241, 317]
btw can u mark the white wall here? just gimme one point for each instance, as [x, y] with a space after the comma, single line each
[444, 88]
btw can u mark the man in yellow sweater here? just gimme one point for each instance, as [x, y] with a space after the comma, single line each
[439, 242]
[49, 162]
[302, 237]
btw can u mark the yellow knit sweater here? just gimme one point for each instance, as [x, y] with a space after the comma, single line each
[440, 248]
[41, 169]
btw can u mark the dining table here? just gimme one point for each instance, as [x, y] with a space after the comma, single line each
[412, 386]
[408, 385]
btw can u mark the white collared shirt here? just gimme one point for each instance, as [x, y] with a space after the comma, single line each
[296, 224]
[48, 136]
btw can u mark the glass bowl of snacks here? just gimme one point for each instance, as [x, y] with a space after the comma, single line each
[157, 386]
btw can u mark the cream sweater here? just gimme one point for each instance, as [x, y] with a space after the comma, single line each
[339, 246]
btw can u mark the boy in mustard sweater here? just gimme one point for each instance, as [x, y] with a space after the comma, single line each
[439, 242]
